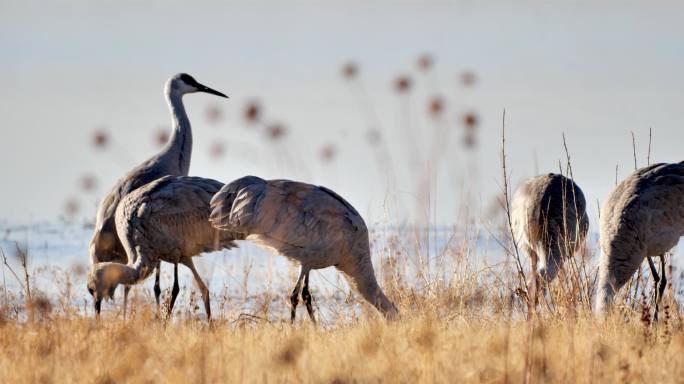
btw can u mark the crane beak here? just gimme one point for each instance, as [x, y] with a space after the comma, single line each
[205, 89]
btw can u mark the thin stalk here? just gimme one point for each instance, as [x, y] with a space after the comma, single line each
[648, 157]
[516, 254]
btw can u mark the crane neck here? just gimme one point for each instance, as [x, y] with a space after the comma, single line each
[606, 290]
[178, 150]
[128, 275]
[116, 273]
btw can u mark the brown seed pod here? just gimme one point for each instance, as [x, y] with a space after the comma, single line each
[252, 111]
[88, 183]
[350, 70]
[470, 120]
[217, 150]
[100, 138]
[328, 152]
[71, 207]
[468, 78]
[276, 131]
[161, 137]
[469, 140]
[214, 114]
[402, 84]
[425, 62]
[436, 106]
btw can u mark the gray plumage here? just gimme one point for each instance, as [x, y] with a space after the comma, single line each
[306, 223]
[173, 159]
[643, 217]
[549, 220]
[165, 220]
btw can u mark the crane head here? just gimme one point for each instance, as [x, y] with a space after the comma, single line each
[102, 281]
[183, 83]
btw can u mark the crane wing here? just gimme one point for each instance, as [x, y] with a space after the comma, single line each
[174, 211]
[222, 203]
[292, 213]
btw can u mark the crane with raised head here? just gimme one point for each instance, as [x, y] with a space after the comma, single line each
[173, 159]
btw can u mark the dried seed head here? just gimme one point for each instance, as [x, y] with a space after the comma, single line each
[469, 140]
[468, 78]
[350, 70]
[214, 114]
[161, 137]
[100, 138]
[275, 131]
[328, 152]
[217, 150]
[88, 183]
[252, 111]
[470, 120]
[425, 62]
[402, 84]
[436, 106]
[71, 207]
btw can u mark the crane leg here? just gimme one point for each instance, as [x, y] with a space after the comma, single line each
[294, 298]
[306, 296]
[203, 288]
[98, 306]
[656, 280]
[174, 291]
[663, 282]
[534, 284]
[125, 303]
[157, 288]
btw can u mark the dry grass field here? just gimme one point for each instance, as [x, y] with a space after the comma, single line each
[421, 347]
[459, 324]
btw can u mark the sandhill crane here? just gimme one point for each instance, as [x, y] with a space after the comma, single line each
[165, 220]
[306, 223]
[173, 159]
[550, 223]
[643, 217]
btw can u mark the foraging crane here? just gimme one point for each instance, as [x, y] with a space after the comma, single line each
[165, 220]
[643, 217]
[549, 221]
[310, 224]
[173, 159]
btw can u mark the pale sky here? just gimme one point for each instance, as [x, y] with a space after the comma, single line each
[595, 72]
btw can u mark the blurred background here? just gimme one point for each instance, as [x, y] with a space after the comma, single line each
[397, 106]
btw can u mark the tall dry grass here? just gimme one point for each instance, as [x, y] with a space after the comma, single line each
[421, 347]
[461, 322]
